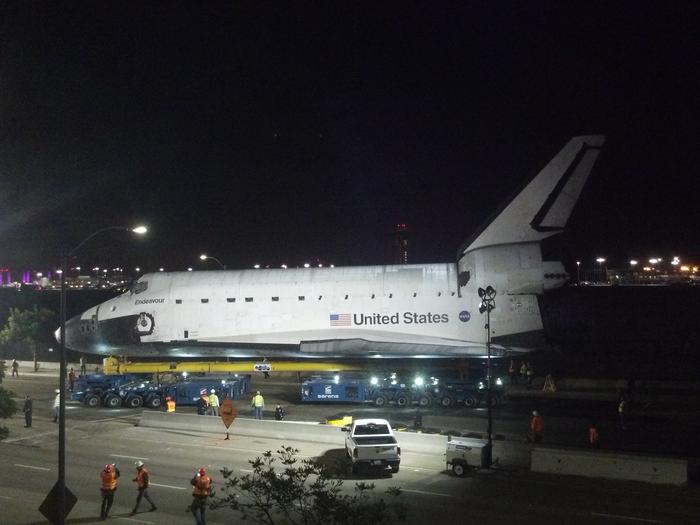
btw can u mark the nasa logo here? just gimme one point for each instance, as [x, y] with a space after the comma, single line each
[464, 316]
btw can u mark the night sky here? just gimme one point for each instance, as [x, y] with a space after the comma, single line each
[289, 132]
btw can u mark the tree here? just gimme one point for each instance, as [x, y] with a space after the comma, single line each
[8, 407]
[28, 327]
[303, 492]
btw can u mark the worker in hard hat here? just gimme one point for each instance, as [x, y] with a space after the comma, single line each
[108, 486]
[142, 481]
[536, 432]
[258, 403]
[213, 403]
[201, 487]
[169, 404]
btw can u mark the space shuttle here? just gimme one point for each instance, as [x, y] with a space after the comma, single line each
[363, 312]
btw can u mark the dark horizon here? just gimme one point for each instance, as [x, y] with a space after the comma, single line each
[285, 134]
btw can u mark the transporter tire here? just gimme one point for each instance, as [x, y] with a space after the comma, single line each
[154, 402]
[446, 401]
[380, 401]
[424, 401]
[394, 469]
[401, 401]
[471, 401]
[133, 401]
[112, 401]
[92, 400]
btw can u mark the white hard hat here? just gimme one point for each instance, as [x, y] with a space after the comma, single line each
[212, 391]
[138, 463]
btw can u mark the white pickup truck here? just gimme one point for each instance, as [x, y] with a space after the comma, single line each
[371, 443]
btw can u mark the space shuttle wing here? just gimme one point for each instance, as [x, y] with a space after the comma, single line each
[544, 206]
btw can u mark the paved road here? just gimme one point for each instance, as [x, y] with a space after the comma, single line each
[512, 495]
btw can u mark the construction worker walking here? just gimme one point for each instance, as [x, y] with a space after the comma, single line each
[27, 409]
[536, 432]
[258, 403]
[142, 481]
[169, 404]
[201, 486]
[15, 368]
[213, 403]
[56, 405]
[593, 436]
[108, 486]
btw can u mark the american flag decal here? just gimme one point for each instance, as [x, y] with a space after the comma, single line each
[341, 319]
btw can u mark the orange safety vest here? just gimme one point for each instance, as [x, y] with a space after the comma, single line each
[141, 476]
[201, 486]
[170, 406]
[109, 480]
[593, 436]
[537, 425]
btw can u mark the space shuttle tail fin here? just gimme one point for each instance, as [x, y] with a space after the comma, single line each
[543, 207]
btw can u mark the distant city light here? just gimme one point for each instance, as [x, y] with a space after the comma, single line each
[140, 230]
[320, 265]
[137, 269]
[578, 263]
[685, 268]
[600, 260]
[633, 262]
[332, 265]
[96, 269]
[39, 274]
[306, 265]
[161, 269]
[676, 261]
[104, 271]
[189, 269]
[59, 272]
[284, 266]
[418, 381]
[203, 257]
[654, 260]
[256, 266]
[77, 268]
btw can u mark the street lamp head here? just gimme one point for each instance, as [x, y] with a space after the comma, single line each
[578, 263]
[203, 257]
[140, 230]
[600, 260]
[633, 263]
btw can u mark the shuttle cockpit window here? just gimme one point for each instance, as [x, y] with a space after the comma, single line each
[138, 287]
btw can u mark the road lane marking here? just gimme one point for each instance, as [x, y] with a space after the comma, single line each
[30, 466]
[619, 517]
[428, 493]
[130, 457]
[134, 519]
[167, 486]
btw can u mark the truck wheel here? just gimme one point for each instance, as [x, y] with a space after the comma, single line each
[395, 469]
[401, 401]
[459, 469]
[112, 401]
[92, 400]
[134, 401]
[471, 401]
[424, 401]
[380, 401]
[154, 402]
[446, 401]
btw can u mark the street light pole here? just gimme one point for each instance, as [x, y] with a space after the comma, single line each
[61, 483]
[488, 303]
[205, 257]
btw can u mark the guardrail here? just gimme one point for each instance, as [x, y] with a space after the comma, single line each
[610, 465]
